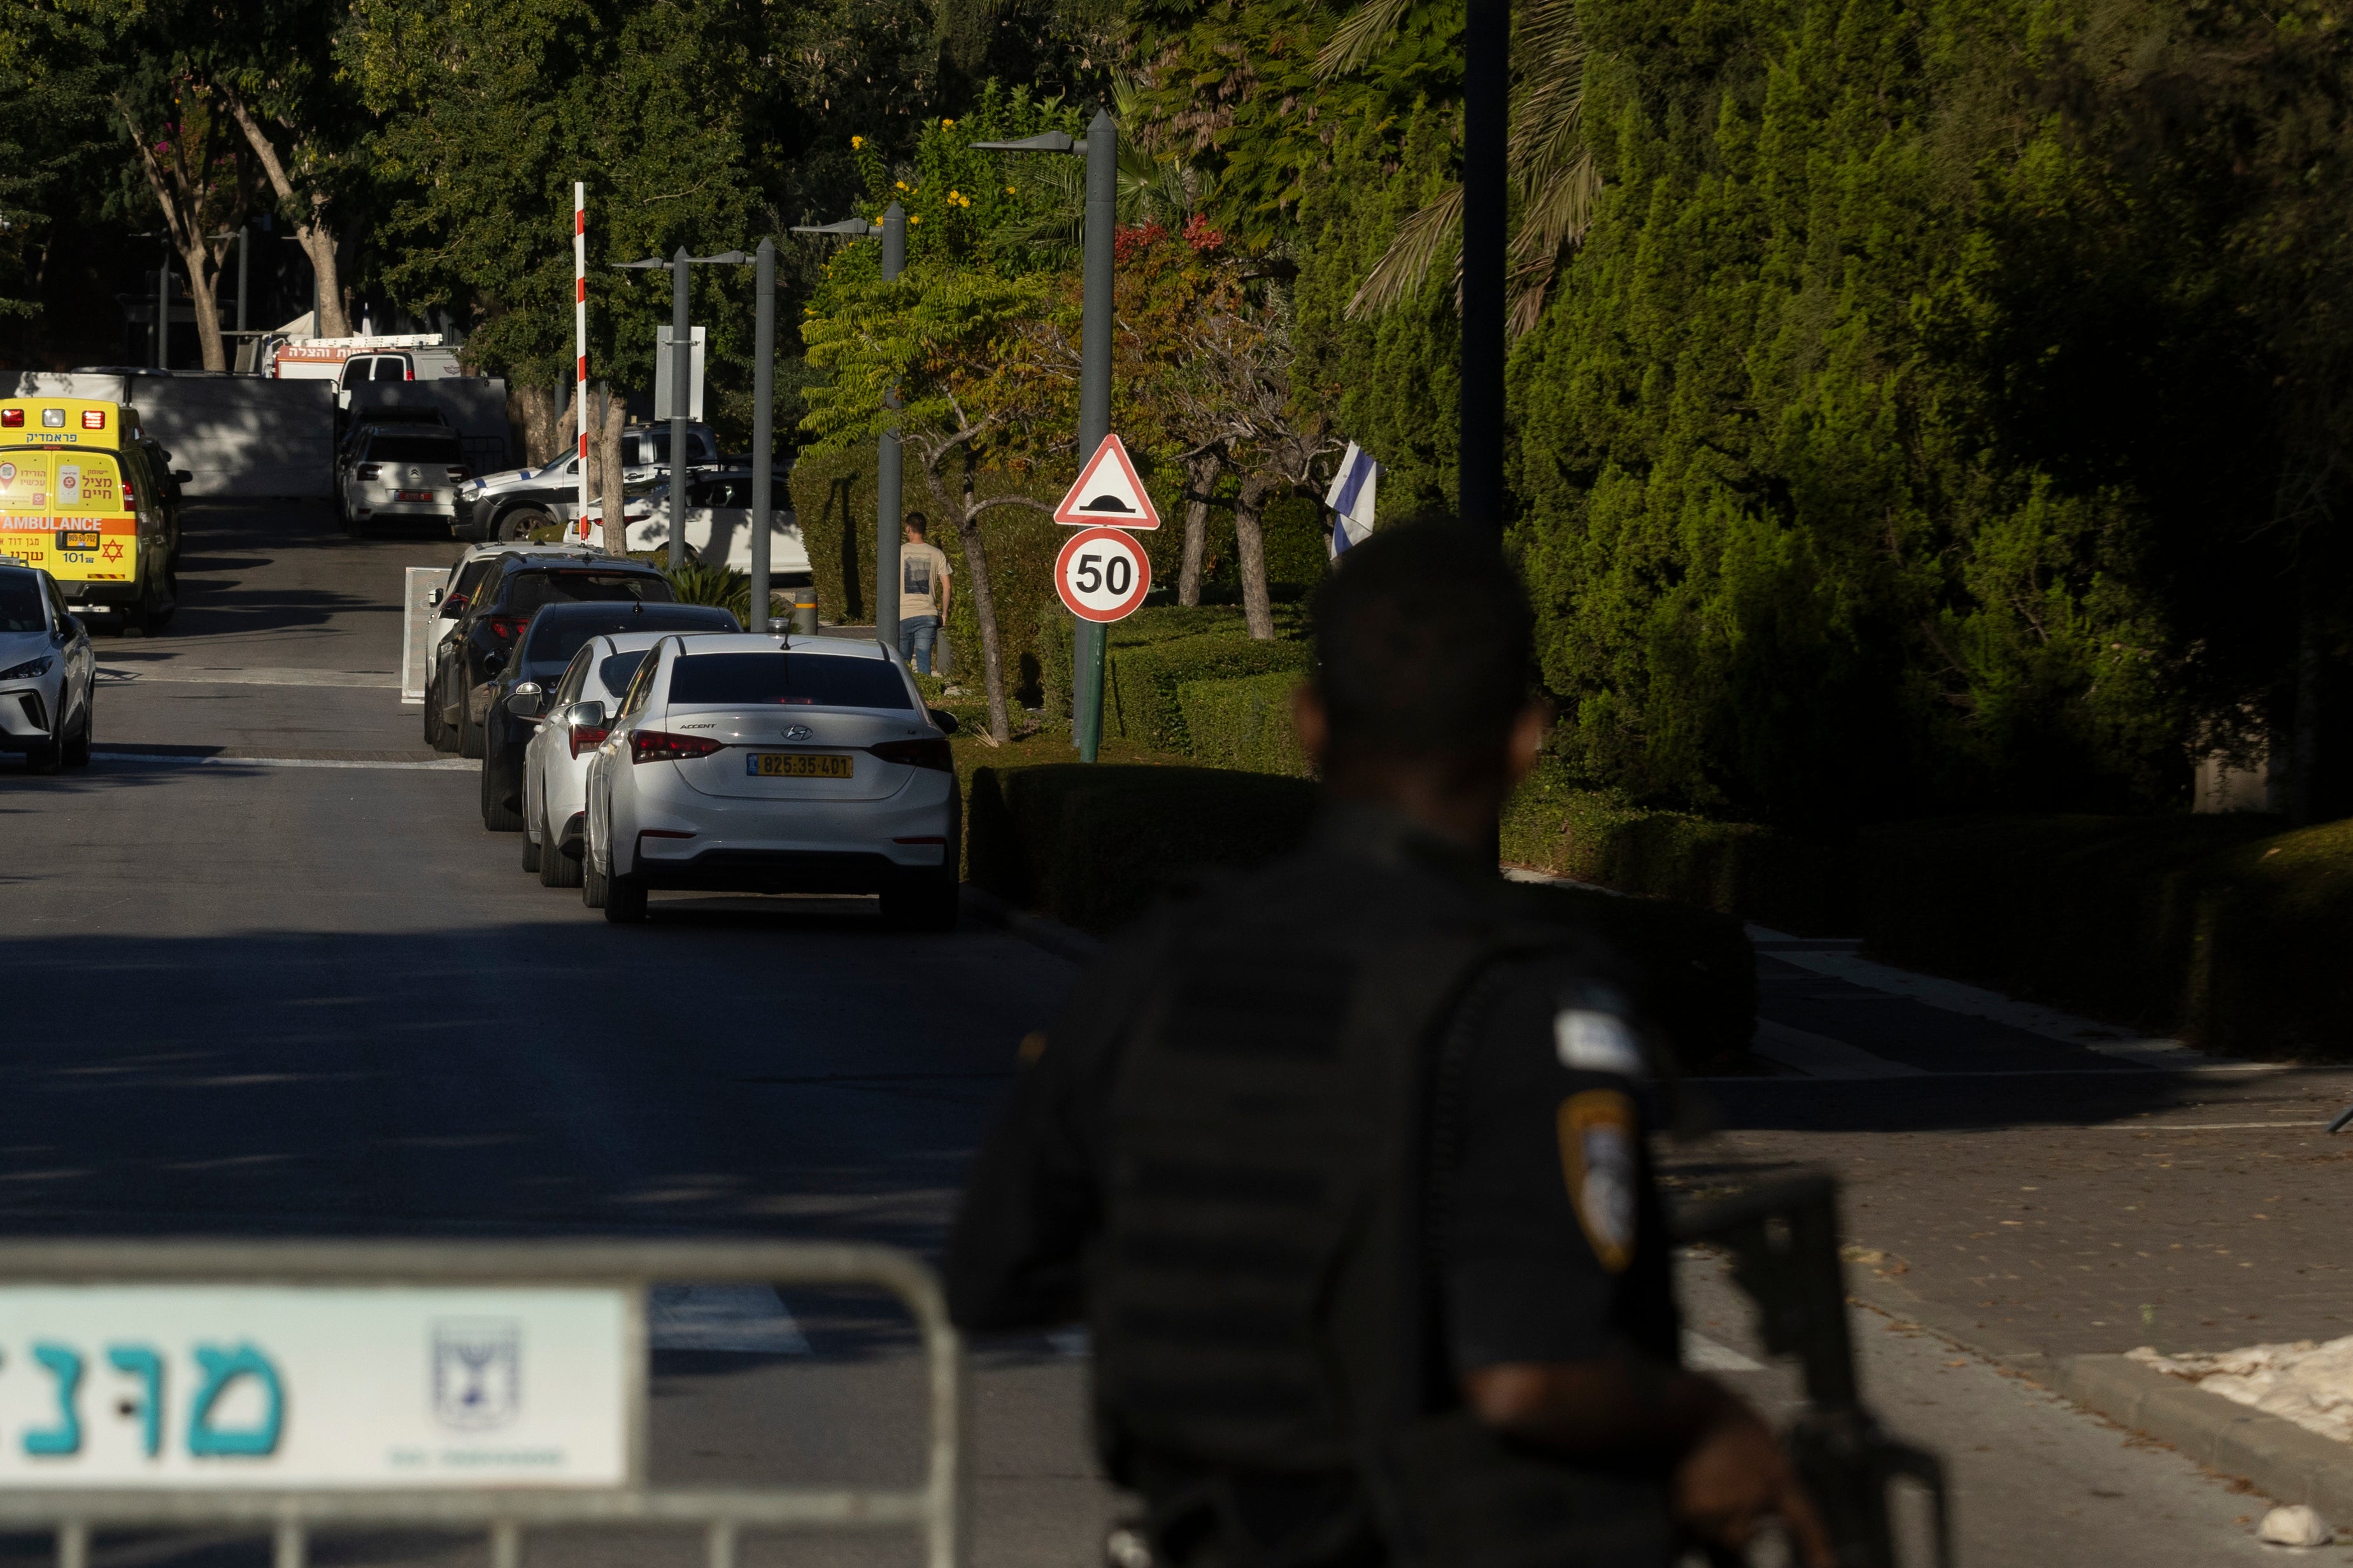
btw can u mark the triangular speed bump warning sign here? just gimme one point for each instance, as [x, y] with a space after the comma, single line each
[1108, 492]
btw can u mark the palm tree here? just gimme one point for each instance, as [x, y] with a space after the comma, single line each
[1167, 191]
[1550, 166]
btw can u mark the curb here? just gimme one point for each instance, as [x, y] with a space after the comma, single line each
[1063, 942]
[2279, 1459]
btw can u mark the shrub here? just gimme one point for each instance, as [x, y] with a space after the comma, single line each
[1150, 627]
[1760, 873]
[2221, 928]
[1094, 846]
[1140, 683]
[1243, 724]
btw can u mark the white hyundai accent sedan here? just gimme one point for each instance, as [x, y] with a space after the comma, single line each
[773, 764]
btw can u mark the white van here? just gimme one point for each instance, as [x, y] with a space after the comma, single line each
[348, 361]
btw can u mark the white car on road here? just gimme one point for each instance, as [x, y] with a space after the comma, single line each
[48, 673]
[400, 471]
[773, 764]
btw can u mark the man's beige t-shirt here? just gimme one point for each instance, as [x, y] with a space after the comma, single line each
[922, 575]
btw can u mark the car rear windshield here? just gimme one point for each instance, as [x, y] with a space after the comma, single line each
[20, 604]
[618, 667]
[798, 680]
[556, 639]
[528, 591]
[414, 449]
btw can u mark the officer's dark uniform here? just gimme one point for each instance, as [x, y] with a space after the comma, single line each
[1304, 1150]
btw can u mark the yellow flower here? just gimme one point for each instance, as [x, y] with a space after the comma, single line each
[902, 184]
[914, 217]
[856, 142]
[954, 197]
[947, 124]
[1008, 190]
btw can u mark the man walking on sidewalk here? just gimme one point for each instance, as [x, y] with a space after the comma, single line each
[923, 593]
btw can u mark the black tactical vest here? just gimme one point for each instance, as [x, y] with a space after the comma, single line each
[1265, 1300]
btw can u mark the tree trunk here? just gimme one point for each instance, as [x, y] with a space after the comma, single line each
[1249, 546]
[609, 459]
[2304, 760]
[1200, 478]
[532, 410]
[567, 431]
[977, 583]
[203, 297]
[307, 211]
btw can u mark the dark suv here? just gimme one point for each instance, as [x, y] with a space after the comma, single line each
[519, 694]
[473, 655]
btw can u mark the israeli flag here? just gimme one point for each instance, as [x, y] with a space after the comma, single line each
[1351, 499]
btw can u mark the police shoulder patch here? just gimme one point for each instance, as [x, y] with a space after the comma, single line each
[1597, 1160]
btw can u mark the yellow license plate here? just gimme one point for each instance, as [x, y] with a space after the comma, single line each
[798, 765]
[78, 541]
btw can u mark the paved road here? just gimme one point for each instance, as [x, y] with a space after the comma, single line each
[289, 986]
[318, 999]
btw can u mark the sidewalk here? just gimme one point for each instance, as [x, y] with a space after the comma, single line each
[2053, 1192]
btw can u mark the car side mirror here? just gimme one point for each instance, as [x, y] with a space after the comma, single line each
[436, 596]
[945, 721]
[453, 606]
[527, 700]
[585, 716]
[183, 476]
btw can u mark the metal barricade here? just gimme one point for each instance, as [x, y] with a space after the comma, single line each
[936, 1509]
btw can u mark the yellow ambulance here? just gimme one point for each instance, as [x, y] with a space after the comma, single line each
[85, 498]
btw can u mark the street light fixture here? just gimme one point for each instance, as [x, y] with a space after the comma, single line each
[682, 371]
[890, 480]
[1102, 150]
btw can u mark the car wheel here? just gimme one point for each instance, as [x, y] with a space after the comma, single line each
[928, 904]
[625, 899]
[498, 817]
[77, 746]
[556, 869]
[470, 734]
[515, 527]
[437, 730]
[532, 852]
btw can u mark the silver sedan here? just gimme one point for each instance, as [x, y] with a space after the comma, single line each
[48, 673]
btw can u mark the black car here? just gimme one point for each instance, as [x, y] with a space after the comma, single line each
[554, 634]
[480, 647]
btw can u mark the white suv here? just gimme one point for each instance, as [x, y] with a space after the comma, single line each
[773, 764]
[402, 472]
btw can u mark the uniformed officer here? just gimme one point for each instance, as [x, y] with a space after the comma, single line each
[1344, 1164]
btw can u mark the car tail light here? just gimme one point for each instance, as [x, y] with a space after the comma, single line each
[655, 746]
[408, 373]
[130, 496]
[917, 755]
[506, 629]
[457, 474]
[585, 739]
[93, 418]
[12, 419]
[370, 470]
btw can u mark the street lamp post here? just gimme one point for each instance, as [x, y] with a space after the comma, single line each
[1102, 150]
[1486, 98]
[681, 369]
[764, 389]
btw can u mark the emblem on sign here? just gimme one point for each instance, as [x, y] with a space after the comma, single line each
[1108, 492]
[477, 1373]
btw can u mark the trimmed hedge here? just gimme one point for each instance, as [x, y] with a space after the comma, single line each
[1245, 723]
[1092, 847]
[1140, 683]
[1734, 868]
[2221, 929]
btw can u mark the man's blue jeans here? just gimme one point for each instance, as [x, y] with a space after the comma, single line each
[916, 635]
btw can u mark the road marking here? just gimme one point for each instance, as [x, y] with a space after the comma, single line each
[189, 675]
[2194, 1126]
[444, 764]
[1704, 1355]
[2116, 1074]
[1818, 1056]
[746, 1319]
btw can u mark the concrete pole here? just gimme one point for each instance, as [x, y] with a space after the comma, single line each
[1094, 401]
[681, 346]
[1486, 64]
[888, 471]
[764, 387]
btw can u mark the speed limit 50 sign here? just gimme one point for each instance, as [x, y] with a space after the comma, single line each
[1102, 575]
